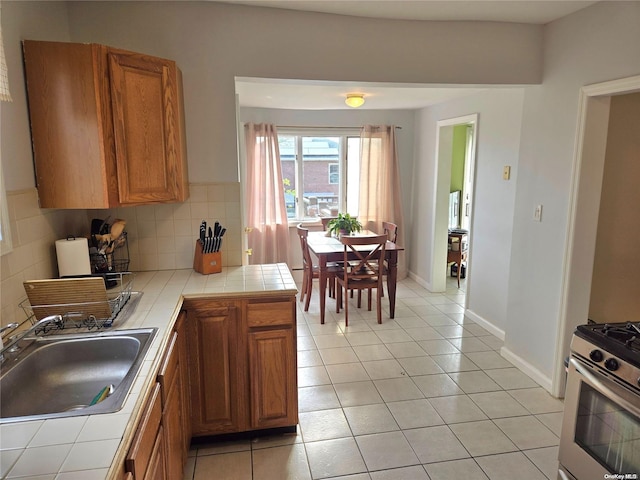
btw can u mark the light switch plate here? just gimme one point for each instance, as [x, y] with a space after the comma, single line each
[537, 214]
[506, 172]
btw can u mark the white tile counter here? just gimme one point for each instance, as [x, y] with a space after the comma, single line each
[94, 447]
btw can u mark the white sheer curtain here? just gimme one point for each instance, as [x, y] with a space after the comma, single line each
[4, 76]
[266, 212]
[380, 194]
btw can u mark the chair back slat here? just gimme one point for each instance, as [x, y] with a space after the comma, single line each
[303, 233]
[363, 264]
[391, 231]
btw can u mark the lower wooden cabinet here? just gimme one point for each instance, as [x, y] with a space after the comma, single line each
[146, 457]
[243, 364]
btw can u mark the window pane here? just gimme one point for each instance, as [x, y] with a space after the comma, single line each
[321, 198]
[353, 175]
[287, 146]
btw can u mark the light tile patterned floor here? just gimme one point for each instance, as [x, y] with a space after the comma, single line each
[422, 397]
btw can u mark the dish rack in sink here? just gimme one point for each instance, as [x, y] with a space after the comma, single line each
[83, 302]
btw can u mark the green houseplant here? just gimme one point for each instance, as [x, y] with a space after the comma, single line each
[344, 224]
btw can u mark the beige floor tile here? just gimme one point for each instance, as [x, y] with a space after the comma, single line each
[406, 350]
[546, 459]
[482, 438]
[311, 376]
[537, 400]
[276, 440]
[367, 353]
[494, 342]
[424, 333]
[470, 344]
[450, 308]
[488, 360]
[189, 468]
[386, 450]
[397, 389]
[322, 397]
[416, 366]
[378, 369]
[347, 372]
[277, 463]
[362, 338]
[427, 309]
[474, 381]
[553, 421]
[403, 473]
[223, 447]
[438, 347]
[414, 414]
[411, 322]
[508, 466]
[440, 320]
[464, 469]
[332, 356]
[510, 378]
[330, 341]
[309, 358]
[498, 404]
[393, 336]
[452, 331]
[439, 385]
[306, 343]
[332, 458]
[435, 444]
[358, 393]
[367, 419]
[457, 409]
[230, 466]
[455, 362]
[323, 425]
[527, 432]
[357, 476]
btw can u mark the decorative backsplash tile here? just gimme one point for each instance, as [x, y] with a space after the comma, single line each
[160, 237]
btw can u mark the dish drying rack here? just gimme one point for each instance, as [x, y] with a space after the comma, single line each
[90, 314]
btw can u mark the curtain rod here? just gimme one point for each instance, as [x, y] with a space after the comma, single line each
[327, 127]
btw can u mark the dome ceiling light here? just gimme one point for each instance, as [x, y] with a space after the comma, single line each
[354, 100]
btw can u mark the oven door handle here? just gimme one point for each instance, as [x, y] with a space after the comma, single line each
[606, 391]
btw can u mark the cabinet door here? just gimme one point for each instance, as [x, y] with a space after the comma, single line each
[273, 385]
[157, 467]
[143, 451]
[147, 118]
[183, 352]
[215, 370]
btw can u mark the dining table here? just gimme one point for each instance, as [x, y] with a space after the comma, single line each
[330, 249]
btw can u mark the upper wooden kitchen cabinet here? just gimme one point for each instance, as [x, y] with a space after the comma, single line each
[107, 126]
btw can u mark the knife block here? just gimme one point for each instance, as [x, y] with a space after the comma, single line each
[206, 263]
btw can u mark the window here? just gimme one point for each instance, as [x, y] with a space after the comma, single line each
[318, 172]
[334, 173]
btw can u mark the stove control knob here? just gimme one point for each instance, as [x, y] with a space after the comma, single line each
[596, 355]
[611, 364]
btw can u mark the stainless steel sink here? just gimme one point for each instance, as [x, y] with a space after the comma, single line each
[60, 375]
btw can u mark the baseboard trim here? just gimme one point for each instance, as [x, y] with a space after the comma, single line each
[484, 323]
[420, 281]
[525, 367]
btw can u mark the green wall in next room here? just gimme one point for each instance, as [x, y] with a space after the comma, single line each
[458, 154]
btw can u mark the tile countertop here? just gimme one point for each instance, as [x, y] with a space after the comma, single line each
[93, 447]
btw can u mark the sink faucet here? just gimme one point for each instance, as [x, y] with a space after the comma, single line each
[12, 345]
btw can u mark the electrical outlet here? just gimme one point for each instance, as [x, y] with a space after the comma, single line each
[537, 214]
[506, 172]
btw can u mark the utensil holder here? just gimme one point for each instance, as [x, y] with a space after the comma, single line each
[206, 263]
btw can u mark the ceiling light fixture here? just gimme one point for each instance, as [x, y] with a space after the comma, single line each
[354, 100]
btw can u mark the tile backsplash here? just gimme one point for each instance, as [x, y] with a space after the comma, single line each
[160, 237]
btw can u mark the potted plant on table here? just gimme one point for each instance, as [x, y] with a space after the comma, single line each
[343, 224]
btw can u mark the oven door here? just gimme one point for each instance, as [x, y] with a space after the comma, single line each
[601, 425]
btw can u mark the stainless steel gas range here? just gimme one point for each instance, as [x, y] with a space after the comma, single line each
[601, 425]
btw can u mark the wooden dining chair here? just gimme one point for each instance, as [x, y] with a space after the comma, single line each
[311, 271]
[391, 231]
[325, 222]
[363, 270]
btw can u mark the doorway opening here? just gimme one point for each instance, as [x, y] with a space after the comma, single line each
[454, 192]
[580, 248]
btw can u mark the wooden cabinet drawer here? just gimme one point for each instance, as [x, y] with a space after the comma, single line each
[144, 441]
[270, 313]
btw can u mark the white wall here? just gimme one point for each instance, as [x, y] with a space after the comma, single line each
[499, 118]
[212, 43]
[595, 44]
[24, 20]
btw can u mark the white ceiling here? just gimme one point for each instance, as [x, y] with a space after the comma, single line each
[306, 95]
[519, 11]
